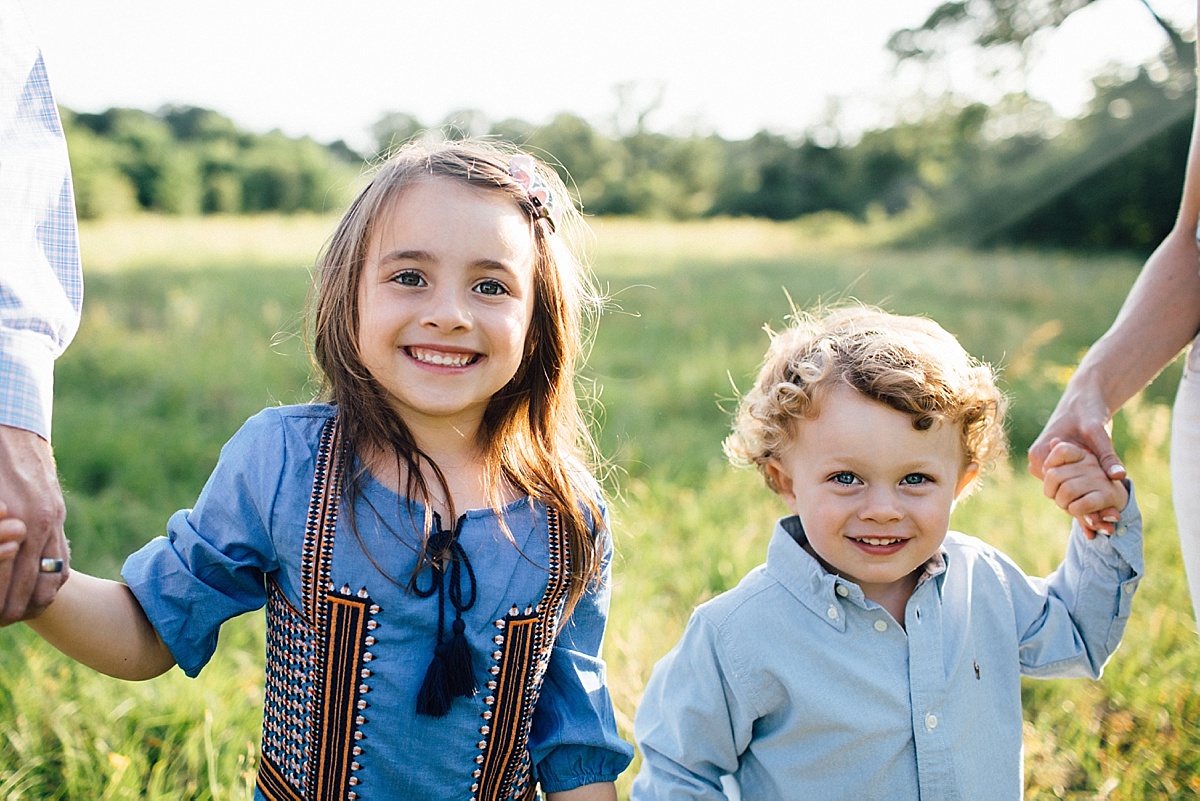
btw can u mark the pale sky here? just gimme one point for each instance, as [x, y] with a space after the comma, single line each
[330, 69]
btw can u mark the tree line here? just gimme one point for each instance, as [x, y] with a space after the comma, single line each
[1001, 174]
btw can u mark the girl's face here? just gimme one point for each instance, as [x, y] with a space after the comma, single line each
[873, 493]
[445, 301]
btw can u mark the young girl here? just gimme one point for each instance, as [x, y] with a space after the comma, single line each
[430, 548]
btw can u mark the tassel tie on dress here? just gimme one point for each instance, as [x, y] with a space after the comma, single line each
[451, 672]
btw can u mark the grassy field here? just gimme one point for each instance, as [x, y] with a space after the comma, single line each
[191, 326]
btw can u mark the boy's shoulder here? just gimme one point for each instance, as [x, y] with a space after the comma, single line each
[743, 602]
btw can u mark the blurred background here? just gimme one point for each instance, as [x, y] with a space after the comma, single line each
[1003, 167]
[1056, 122]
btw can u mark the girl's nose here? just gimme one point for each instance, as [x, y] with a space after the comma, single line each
[446, 309]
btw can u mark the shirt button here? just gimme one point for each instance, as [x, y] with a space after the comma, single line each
[841, 590]
[931, 721]
[880, 625]
[832, 613]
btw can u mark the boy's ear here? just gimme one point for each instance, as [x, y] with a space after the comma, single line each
[781, 480]
[970, 473]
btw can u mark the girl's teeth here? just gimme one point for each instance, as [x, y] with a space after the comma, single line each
[875, 541]
[441, 359]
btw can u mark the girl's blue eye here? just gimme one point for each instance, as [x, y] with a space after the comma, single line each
[409, 278]
[845, 478]
[491, 288]
[915, 479]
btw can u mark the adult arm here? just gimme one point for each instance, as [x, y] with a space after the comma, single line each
[41, 289]
[1159, 317]
[100, 624]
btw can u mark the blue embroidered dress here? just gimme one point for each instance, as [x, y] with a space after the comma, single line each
[348, 645]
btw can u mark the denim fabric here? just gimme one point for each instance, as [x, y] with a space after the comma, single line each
[249, 523]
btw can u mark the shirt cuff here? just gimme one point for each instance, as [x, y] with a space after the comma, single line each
[26, 382]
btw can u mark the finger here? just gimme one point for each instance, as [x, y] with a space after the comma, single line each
[1037, 455]
[29, 589]
[1098, 440]
[12, 531]
[1065, 453]
[6, 570]
[1112, 466]
[1086, 528]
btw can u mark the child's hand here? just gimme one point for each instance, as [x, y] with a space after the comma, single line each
[1077, 483]
[12, 534]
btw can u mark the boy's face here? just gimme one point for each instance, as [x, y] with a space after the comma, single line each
[874, 494]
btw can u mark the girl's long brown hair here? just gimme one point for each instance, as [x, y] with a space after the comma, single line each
[534, 437]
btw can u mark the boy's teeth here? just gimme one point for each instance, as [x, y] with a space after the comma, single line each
[877, 541]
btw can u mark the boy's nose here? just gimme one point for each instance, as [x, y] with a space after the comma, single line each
[880, 504]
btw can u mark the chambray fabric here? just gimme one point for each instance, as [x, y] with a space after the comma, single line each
[249, 522]
[796, 686]
[41, 281]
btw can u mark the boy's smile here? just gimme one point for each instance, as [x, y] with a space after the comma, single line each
[873, 493]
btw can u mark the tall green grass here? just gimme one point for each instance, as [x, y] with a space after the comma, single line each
[179, 345]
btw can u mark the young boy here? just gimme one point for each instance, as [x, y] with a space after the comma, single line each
[876, 655]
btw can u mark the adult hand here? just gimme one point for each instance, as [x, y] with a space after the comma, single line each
[29, 486]
[1081, 417]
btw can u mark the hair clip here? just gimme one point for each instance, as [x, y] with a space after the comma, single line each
[524, 172]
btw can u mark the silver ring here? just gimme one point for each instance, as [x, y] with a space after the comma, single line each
[48, 565]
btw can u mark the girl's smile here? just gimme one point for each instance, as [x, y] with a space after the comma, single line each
[445, 302]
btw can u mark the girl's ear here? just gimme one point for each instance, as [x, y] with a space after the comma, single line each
[970, 473]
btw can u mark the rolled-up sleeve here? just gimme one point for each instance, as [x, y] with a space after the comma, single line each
[211, 566]
[574, 740]
[41, 280]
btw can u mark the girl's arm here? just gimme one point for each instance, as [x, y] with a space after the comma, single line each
[602, 791]
[99, 623]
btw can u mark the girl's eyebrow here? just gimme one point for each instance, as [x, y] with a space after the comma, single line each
[406, 255]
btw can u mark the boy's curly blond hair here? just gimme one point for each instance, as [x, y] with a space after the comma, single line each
[908, 363]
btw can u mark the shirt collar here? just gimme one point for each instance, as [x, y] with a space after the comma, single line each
[820, 591]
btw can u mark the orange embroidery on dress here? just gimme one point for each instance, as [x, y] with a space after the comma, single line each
[524, 644]
[316, 661]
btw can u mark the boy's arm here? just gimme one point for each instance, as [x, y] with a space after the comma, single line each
[690, 725]
[1071, 622]
[99, 623]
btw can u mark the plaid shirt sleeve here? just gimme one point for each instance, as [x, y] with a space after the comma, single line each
[41, 279]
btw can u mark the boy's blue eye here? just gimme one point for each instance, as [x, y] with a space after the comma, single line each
[844, 478]
[491, 288]
[915, 479]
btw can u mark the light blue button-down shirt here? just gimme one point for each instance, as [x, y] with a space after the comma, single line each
[41, 282]
[796, 686]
